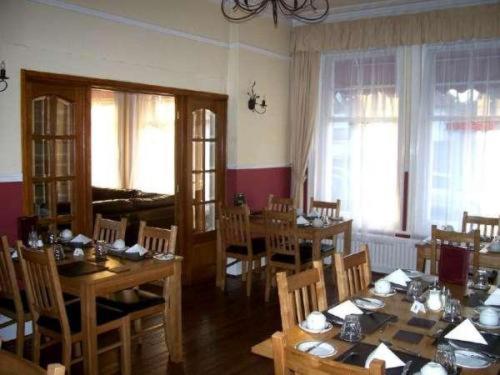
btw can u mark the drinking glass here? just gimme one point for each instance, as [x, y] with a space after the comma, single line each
[100, 251]
[415, 290]
[351, 329]
[452, 311]
[481, 280]
[445, 356]
[32, 239]
[58, 252]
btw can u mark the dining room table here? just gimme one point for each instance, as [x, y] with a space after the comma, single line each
[398, 309]
[114, 274]
[334, 227]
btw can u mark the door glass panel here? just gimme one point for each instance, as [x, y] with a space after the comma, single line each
[198, 218]
[41, 158]
[209, 216]
[40, 116]
[64, 117]
[210, 155]
[198, 156]
[198, 123]
[209, 186]
[64, 157]
[209, 124]
[64, 192]
[198, 187]
[41, 199]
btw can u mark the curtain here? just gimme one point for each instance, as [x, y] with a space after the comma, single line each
[356, 144]
[304, 84]
[133, 141]
[456, 142]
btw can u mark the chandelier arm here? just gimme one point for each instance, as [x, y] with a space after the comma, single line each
[248, 8]
[291, 8]
[313, 18]
[249, 14]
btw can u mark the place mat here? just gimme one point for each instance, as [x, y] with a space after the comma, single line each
[369, 322]
[408, 336]
[421, 322]
[493, 340]
[79, 268]
[362, 351]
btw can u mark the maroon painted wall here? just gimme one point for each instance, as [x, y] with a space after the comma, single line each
[11, 206]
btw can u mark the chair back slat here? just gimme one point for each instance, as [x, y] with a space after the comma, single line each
[108, 230]
[43, 286]
[287, 358]
[489, 227]
[471, 240]
[157, 240]
[281, 234]
[280, 204]
[8, 281]
[329, 209]
[234, 225]
[353, 272]
[300, 294]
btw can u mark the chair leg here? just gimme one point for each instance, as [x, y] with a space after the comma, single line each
[334, 272]
[20, 338]
[126, 352]
[36, 344]
[244, 270]
[223, 273]
[66, 353]
[77, 349]
[268, 282]
[138, 329]
[249, 277]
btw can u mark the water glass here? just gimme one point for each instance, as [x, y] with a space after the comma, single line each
[351, 329]
[415, 290]
[452, 311]
[481, 280]
[100, 251]
[32, 239]
[445, 356]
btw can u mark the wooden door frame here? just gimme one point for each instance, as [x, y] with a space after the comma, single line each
[181, 98]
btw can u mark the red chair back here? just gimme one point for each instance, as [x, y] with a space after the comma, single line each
[453, 264]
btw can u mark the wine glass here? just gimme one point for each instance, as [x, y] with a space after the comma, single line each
[452, 311]
[351, 329]
[415, 290]
[32, 238]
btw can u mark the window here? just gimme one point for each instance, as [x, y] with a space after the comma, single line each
[357, 138]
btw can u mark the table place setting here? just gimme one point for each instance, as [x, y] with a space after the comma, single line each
[382, 288]
[321, 349]
[315, 323]
[368, 303]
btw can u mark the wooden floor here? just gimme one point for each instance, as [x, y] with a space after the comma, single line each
[219, 330]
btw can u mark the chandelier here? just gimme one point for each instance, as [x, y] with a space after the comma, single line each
[302, 10]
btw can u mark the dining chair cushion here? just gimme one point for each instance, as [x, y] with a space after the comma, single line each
[131, 300]
[8, 303]
[325, 247]
[258, 246]
[104, 315]
[453, 264]
[305, 256]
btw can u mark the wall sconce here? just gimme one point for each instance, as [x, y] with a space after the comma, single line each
[3, 77]
[253, 103]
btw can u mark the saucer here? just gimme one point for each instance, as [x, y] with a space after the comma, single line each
[304, 327]
[322, 349]
[374, 303]
[471, 359]
[372, 291]
[167, 256]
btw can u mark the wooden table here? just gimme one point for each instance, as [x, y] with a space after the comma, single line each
[394, 305]
[316, 235]
[488, 259]
[87, 287]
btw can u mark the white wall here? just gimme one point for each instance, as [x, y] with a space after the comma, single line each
[175, 43]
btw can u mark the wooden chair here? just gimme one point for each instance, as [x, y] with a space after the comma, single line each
[280, 204]
[287, 359]
[300, 294]
[13, 302]
[353, 272]
[108, 230]
[13, 365]
[62, 323]
[283, 250]
[467, 240]
[236, 242]
[140, 303]
[489, 227]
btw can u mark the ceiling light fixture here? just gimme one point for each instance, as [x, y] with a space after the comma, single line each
[302, 10]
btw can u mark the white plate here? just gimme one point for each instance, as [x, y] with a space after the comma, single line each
[323, 350]
[413, 274]
[470, 359]
[304, 327]
[374, 305]
[372, 291]
[164, 256]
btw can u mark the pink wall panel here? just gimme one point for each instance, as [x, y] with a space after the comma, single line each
[11, 206]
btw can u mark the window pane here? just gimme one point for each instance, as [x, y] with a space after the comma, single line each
[198, 122]
[65, 157]
[64, 117]
[209, 186]
[198, 187]
[41, 158]
[198, 156]
[209, 124]
[210, 216]
[64, 192]
[41, 199]
[40, 113]
[209, 155]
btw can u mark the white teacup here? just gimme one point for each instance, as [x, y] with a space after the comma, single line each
[317, 223]
[316, 320]
[382, 286]
[119, 244]
[488, 317]
[433, 368]
[67, 234]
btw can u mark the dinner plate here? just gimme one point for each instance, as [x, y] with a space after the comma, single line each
[413, 274]
[164, 256]
[374, 303]
[322, 349]
[304, 327]
[372, 291]
[471, 359]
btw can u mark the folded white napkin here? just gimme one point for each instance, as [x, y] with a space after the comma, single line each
[78, 253]
[81, 238]
[14, 254]
[384, 353]
[494, 298]
[137, 249]
[345, 308]
[302, 221]
[398, 277]
[466, 331]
